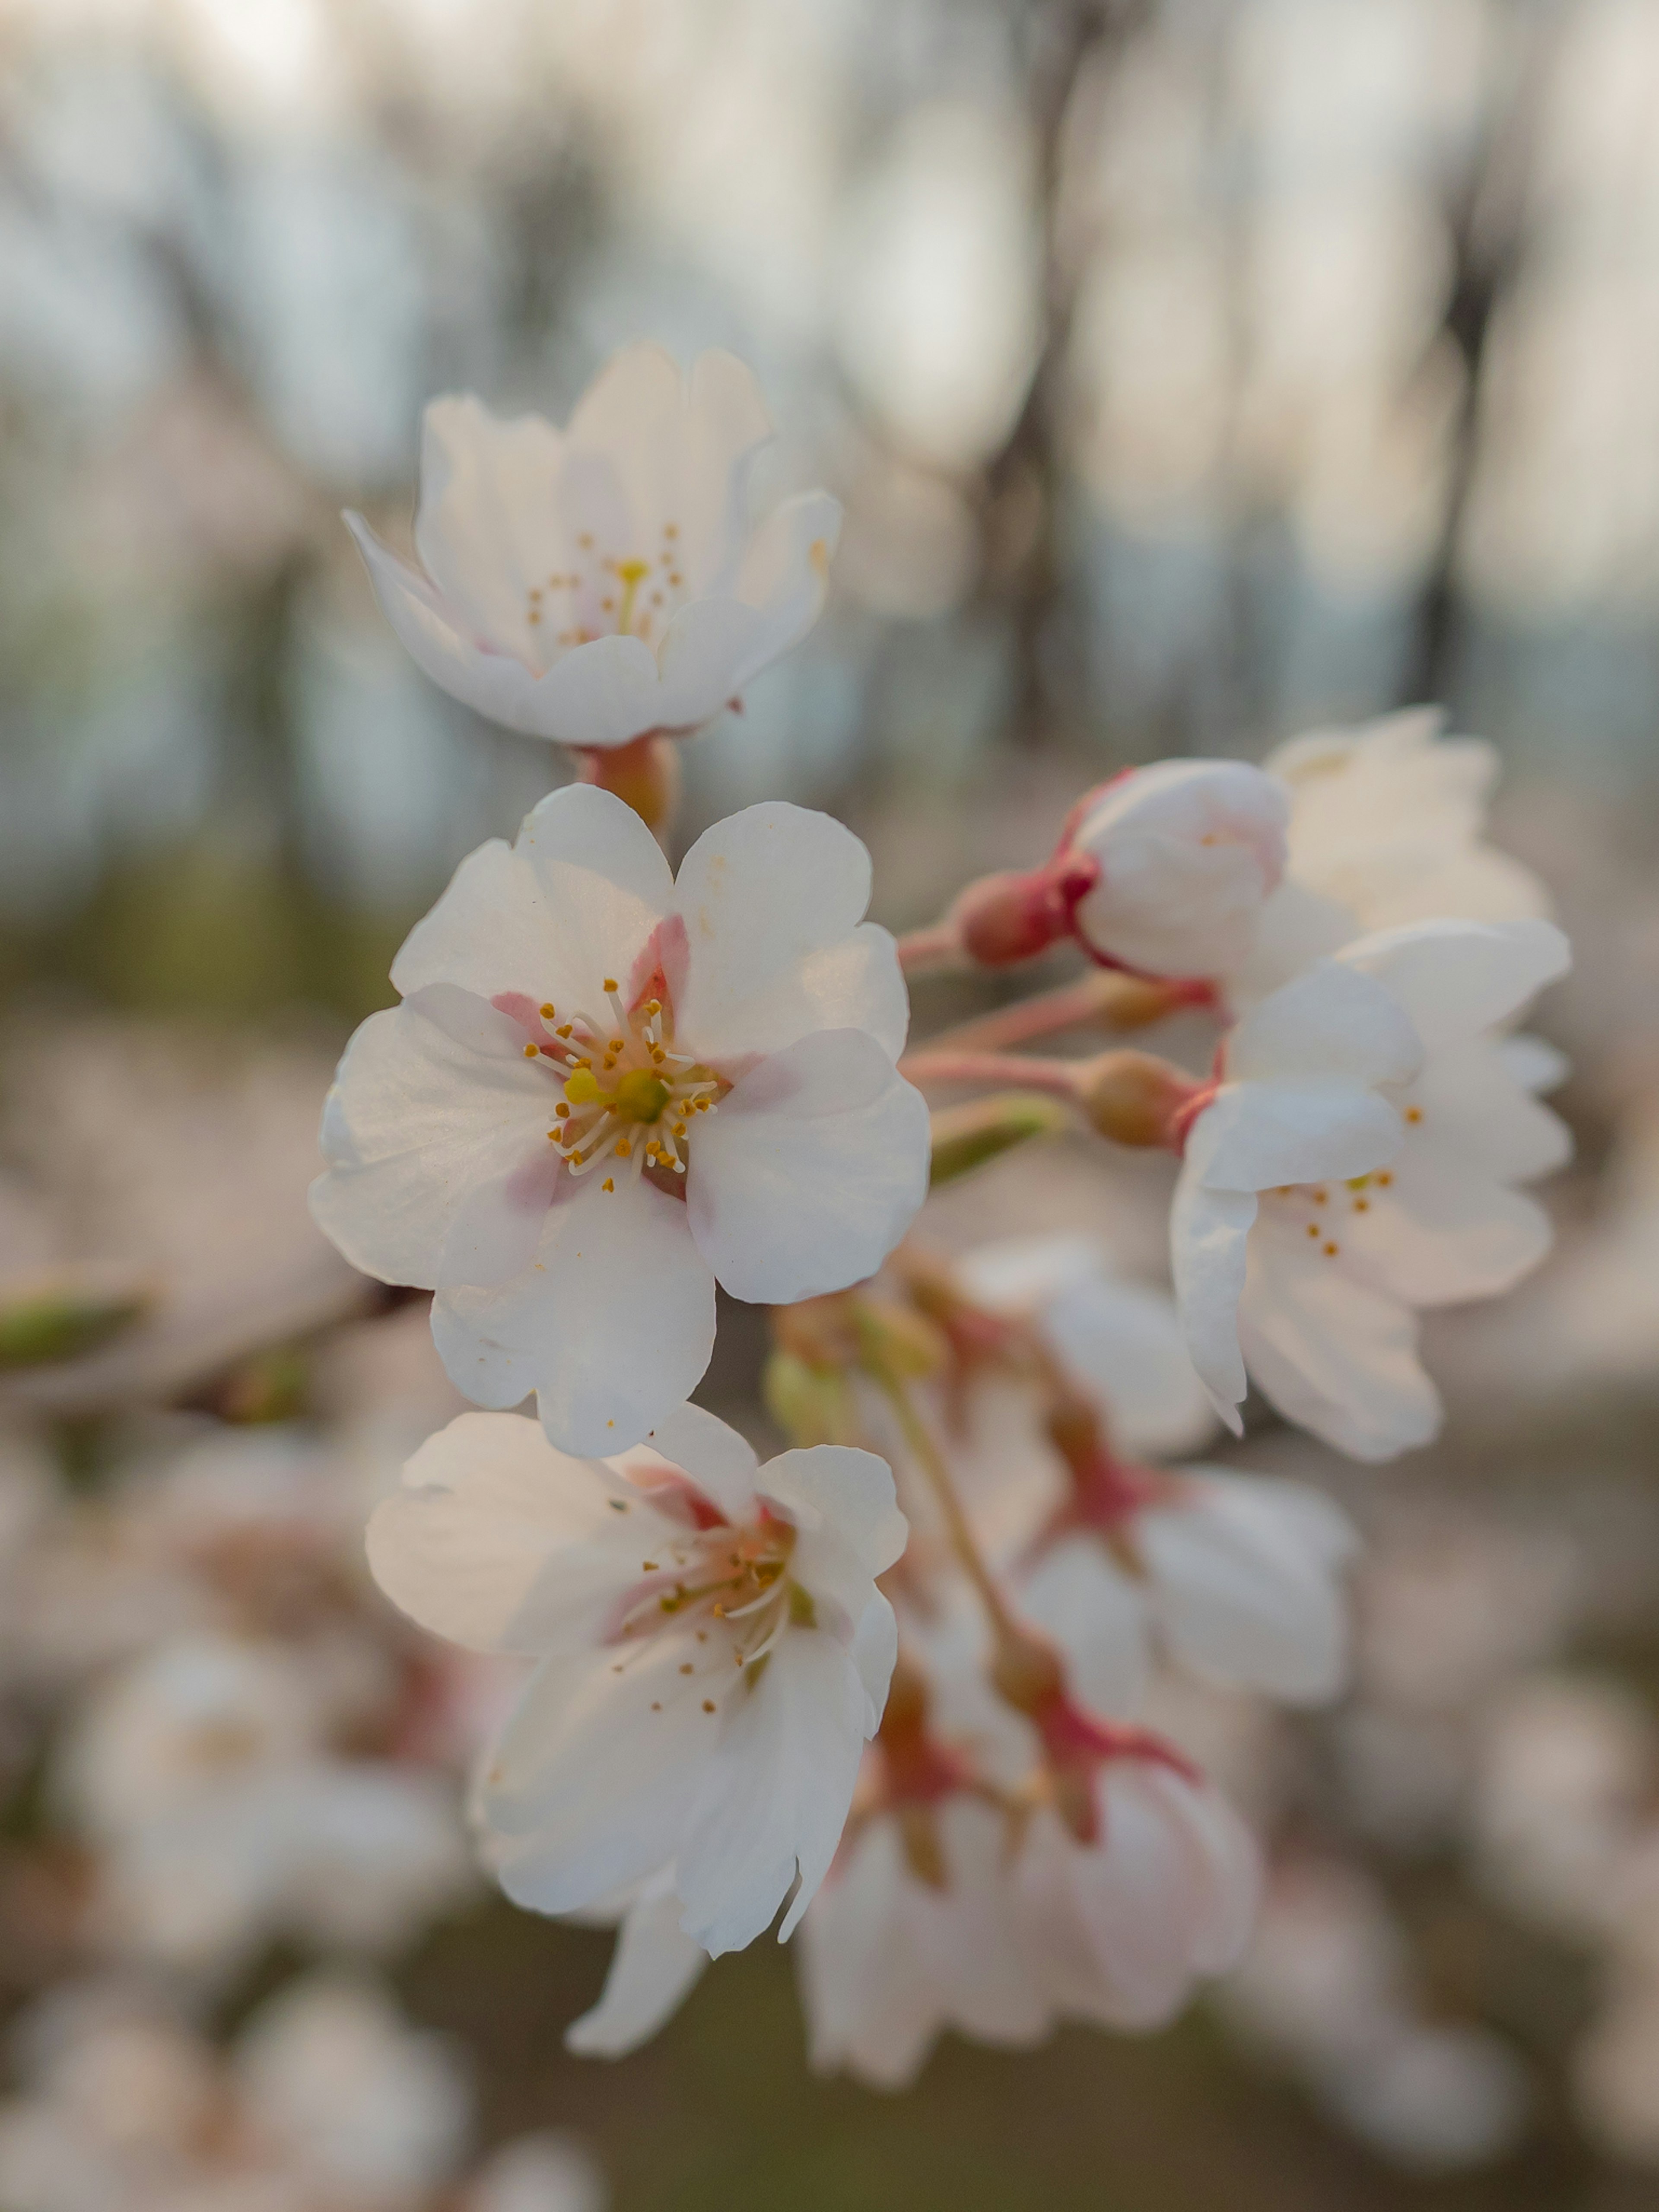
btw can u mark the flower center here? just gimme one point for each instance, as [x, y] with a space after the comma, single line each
[630, 1100]
[603, 594]
[726, 1593]
[1320, 1211]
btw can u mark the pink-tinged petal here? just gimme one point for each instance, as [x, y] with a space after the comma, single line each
[496, 1230]
[434, 1103]
[772, 900]
[500, 1542]
[611, 1326]
[774, 1800]
[1209, 1240]
[1334, 1355]
[1246, 1582]
[1442, 1231]
[1456, 979]
[809, 1171]
[722, 1464]
[653, 1969]
[1334, 1023]
[587, 1789]
[489, 529]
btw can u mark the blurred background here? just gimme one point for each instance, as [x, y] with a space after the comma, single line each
[1193, 373]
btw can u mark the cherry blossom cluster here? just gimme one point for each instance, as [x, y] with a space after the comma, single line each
[891, 1682]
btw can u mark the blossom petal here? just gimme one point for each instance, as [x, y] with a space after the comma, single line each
[1334, 1023]
[1245, 1583]
[434, 1103]
[611, 1326]
[653, 1968]
[1476, 1105]
[811, 1171]
[774, 1799]
[1444, 1231]
[1209, 1241]
[722, 1464]
[547, 919]
[1097, 1616]
[772, 900]
[785, 573]
[1456, 979]
[1260, 1135]
[500, 1542]
[488, 529]
[1334, 1355]
[493, 684]
[587, 1790]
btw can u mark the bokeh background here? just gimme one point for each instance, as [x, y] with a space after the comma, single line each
[1193, 373]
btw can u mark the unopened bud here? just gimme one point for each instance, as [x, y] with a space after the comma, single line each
[1026, 1671]
[645, 774]
[1136, 1098]
[63, 1320]
[966, 1137]
[1005, 918]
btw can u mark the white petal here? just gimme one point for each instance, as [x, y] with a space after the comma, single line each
[653, 1969]
[832, 1491]
[1209, 1241]
[488, 529]
[708, 652]
[1476, 1105]
[602, 694]
[1259, 1135]
[589, 1784]
[434, 1103]
[1334, 1355]
[500, 1542]
[772, 900]
[721, 1463]
[611, 1326]
[785, 570]
[1457, 978]
[1247, 1590]
[775, 1796]
[1323, 1028]
[574, 901]
[1098, 1617]
[1443, 1232]
[811, 1171]
[496, 683]
[603, 876]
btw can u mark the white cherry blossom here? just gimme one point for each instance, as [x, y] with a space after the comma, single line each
[1184, 853]
[607, 1087]
[596, 583]
[201, 1773]
[1119, 1925]
[897, 1950]
[1117, 1556]
[1387, 826]
[1356, 1163]
[713, 1654]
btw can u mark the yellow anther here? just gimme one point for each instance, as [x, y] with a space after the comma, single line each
[548, 1011]
[562, 1109]
[531, 1051]
[608, 1184]
[1313, 1228]
[1331, 1251]
[1414, 1113]
[623, 1148]
[611, 984]
[653, 1005]
[615, 1045]
[565, 1028]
